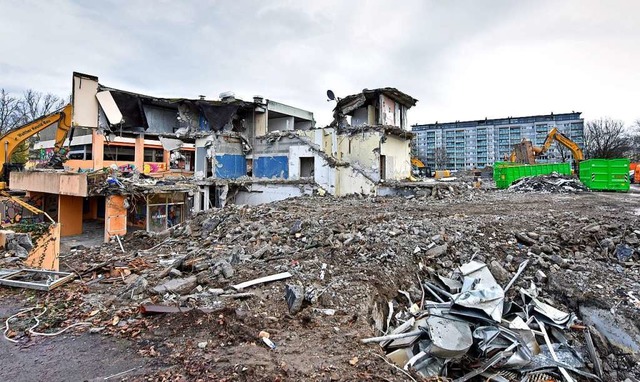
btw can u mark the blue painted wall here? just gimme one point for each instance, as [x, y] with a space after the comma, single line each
[271, 167]
[230, 166]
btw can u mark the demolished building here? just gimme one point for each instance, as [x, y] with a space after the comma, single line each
[148, 162]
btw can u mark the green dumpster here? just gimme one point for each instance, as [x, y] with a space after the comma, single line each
[605, 174]
[505, 173]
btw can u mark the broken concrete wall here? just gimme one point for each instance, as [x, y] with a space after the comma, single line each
[392, 113]
[266, 193]
[273, 166]
[303, 125]
[221, 157]
[281, 124]
[228, 160]
[349, 181]
[271, 157]
[364, 116]
[362, 151]
[85, 104]
[324, 174]
[397, 152]
[161, 120]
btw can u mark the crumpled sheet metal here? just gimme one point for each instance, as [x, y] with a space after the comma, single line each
[451, 337]
[480, 290]
[496, 335]
[547, 312]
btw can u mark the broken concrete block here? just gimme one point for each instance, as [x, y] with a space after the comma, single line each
[437, 251]
[227, 269]
[558, 260]
[260, 252]
[296, 227]
[5, 237]
[294, 295]
[498, 271]
[209, 225]
[592, 228]
[524, 239]
[178, 286]
[175, 273]
[620, 332]
[540, 276]
[17, 249]
[23, 240]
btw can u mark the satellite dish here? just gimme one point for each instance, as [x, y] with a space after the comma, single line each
[330, 95]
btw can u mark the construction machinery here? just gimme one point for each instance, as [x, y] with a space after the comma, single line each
[418, 168]
[526, 153]
[11, 140]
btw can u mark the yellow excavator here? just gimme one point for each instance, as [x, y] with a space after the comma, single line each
[10, 141]
[418, 168]
[525, 152]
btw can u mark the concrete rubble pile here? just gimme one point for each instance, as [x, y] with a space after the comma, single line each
[548, 183]
[306, 279]
[467, 326]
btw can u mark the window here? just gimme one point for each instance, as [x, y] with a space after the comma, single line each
[119, 153]
[164, 211]
[153, 155]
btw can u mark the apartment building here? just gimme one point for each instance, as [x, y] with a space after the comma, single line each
[479, 143]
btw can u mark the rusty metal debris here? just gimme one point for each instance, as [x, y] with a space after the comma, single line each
[478, 331]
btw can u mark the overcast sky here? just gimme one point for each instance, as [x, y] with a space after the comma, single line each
[461, 59]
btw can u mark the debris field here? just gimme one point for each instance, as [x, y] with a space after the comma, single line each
[475, 284]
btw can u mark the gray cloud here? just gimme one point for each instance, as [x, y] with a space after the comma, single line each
[461, 59]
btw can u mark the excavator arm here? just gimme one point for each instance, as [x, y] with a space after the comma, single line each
[10, 141]
[576, 151]
[529, 152]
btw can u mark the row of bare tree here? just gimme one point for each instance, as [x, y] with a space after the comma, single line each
[17, 110]
[608, 138]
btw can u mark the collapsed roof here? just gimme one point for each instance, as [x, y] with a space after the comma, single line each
[352, 102]
[130, 112]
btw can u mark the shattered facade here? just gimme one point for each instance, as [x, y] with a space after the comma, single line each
[148, 162]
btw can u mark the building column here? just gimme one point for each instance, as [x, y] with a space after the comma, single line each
[70, 215]
[97, 150]
[139, 153]
[166, 157]
[115, 217]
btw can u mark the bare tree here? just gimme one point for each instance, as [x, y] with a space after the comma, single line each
[605, 138]
[634, 142]
[34, 105]
[9, 111]
[564, 154]
[440, 157]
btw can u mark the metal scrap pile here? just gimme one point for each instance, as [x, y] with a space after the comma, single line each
[548, 183]
[472, 329]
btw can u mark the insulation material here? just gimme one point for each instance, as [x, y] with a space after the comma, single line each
[108, 105]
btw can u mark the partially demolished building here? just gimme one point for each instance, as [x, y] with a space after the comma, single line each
[148, 162]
